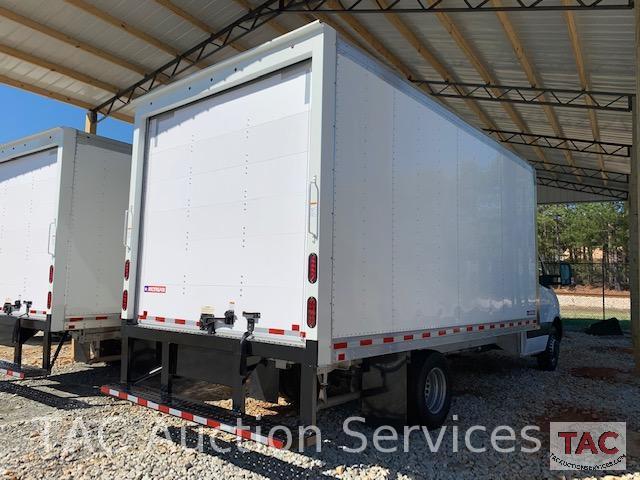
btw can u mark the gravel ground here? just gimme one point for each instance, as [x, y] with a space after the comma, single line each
[61, 428]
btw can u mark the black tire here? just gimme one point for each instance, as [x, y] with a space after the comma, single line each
[548, 360]
[432, 386]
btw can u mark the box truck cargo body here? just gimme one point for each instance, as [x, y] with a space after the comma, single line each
[63, 194]
[303, 208]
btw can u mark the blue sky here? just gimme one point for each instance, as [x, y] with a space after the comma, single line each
[25, 113]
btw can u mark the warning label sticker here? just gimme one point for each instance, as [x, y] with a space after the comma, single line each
[155, 289]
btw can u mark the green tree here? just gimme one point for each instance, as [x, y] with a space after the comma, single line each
[573, 232]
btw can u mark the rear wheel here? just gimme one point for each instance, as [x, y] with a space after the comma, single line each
[548, 360]
[432, 389]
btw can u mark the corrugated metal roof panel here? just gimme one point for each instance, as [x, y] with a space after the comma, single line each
[52, 50]
[89, 29]
[155, 20]
[607, 40]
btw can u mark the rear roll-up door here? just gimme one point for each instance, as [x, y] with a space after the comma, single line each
[224, 207]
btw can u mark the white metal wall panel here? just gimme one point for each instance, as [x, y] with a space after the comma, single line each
[225, 205]
[426, 224]
[28, 206]
[479, 238]
[519, 264]
[95, 255]
[362, 265]
[425, 221]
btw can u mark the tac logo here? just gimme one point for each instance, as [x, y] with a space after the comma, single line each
[588, 446]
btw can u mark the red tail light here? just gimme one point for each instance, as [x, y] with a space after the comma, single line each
[125, 299]
[51, 274]
[312, 306]
[48, 300]
[313, 268]
[127, 264]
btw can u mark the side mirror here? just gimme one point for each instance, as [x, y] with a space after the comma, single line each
[556, 274]
[566, 274]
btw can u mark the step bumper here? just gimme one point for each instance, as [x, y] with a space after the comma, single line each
[242, 426]
[20, 372]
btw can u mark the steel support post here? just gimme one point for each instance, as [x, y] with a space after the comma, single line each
[634, 208]
[168, 369]
[308, 394]
[17, 342]
[125, 359]
[238, 392]
[46, 351]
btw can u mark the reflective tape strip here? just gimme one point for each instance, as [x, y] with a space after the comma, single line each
[150, 319]
[78, 323]
[408, 337]
[12, 373]
[280, 332]
[210, 422]
[92, 318]
[171, 321]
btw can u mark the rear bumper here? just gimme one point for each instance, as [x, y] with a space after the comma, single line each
[206, 358]
[257, 348]
[25, 322]
[20, 372]
[43, 322]
[151, 353]
[242, 426]
[22, 329]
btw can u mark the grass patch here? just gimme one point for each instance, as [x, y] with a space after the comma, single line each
[593, 313]
[579, 324]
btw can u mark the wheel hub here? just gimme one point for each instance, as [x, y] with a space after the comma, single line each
[435, 390]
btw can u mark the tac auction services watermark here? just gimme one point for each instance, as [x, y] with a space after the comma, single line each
[588, 446]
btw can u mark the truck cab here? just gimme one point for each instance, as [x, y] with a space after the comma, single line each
[551, 275]
[546, 341]
[549, 306]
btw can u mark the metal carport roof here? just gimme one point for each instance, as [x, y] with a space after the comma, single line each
[551, 78]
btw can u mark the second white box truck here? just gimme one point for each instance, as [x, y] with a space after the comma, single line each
[62, 198]
[302, 218]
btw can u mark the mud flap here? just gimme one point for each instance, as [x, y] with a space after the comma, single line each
[384, 390]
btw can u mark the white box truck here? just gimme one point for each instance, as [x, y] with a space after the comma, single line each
[62, 198]
[301, 216]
